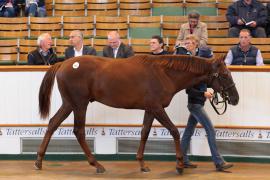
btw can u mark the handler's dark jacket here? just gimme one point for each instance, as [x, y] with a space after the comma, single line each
[244, 58]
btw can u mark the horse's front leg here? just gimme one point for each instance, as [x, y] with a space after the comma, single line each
[164, 119]
[54, 123]
[147, 123]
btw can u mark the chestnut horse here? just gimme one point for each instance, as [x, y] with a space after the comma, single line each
[140, 82]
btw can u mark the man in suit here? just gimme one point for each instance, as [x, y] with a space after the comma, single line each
[115, 48]
[44, 53]
[77, 48]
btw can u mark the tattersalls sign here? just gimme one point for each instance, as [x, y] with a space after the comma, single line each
[158, 132]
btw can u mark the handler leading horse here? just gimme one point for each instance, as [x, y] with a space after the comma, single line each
[140, 82]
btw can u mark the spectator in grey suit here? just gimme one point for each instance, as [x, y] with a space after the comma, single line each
[115, 48]
[77, 48]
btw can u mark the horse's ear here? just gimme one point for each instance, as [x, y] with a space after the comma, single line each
[218, 60]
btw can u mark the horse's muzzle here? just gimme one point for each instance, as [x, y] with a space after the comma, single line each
[233, 100]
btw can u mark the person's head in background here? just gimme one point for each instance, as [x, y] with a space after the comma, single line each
[244, 39]
[156, 44]
[44, 42]
[76, 39]
[193, 19]
[114, 39]
[192, 43]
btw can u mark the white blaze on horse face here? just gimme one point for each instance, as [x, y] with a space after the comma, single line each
[75, 65]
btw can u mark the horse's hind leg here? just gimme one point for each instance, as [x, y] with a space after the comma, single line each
[164, 119]
[79, 131]
[54, 123]
[147, 123]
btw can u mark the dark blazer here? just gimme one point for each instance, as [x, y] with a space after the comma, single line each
[124, 51]
[36, 58]
[256, 11]
[69, 52]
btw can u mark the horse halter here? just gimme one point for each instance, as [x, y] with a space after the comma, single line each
[223, 93]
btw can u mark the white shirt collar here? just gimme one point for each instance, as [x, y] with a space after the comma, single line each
[78, 53]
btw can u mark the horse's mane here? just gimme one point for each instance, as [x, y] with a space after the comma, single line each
[186, 63]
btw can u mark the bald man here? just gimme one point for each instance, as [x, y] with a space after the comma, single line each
[115, 48]
[77, 48]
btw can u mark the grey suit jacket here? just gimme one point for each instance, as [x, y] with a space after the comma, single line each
[69, 52]
[124, 51]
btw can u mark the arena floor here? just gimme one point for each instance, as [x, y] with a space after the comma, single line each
[71, 170]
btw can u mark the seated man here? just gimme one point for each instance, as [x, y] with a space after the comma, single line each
[115, 48]
[244, 53]
[157, 46]
[44, 54]
[77, 48]
[194, 26]
[35, 8]
[247, 14]
[8, 8]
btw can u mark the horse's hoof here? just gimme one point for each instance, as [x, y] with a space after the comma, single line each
[100, 170]
[179, 170]
[145, 169]
[38, 165]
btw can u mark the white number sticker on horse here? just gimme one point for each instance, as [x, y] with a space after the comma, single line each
[75, 65]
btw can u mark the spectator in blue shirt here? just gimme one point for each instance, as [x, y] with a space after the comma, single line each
[244, 53]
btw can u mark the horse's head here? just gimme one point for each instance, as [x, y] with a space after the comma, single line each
[220, 79]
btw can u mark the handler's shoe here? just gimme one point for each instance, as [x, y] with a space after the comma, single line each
[190, 165]
[223, 166]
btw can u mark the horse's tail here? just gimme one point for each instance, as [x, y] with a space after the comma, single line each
[45, 91]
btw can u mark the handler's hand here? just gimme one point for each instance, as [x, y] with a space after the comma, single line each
[208, 94]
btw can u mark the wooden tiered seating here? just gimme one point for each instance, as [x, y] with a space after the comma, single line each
[69, 8]
[217, 25]
[204, 7]
[263, 45]
[104, 24]
[102, 7]
[49, 7]
[168, 7]
[52, 25]
[140, 46]
[136, 7]
[84, 24]
[221, 45]
[26, 46]
[223, 5]
[9, 51]
[171, 25]
[13, 27]
[144, 27]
